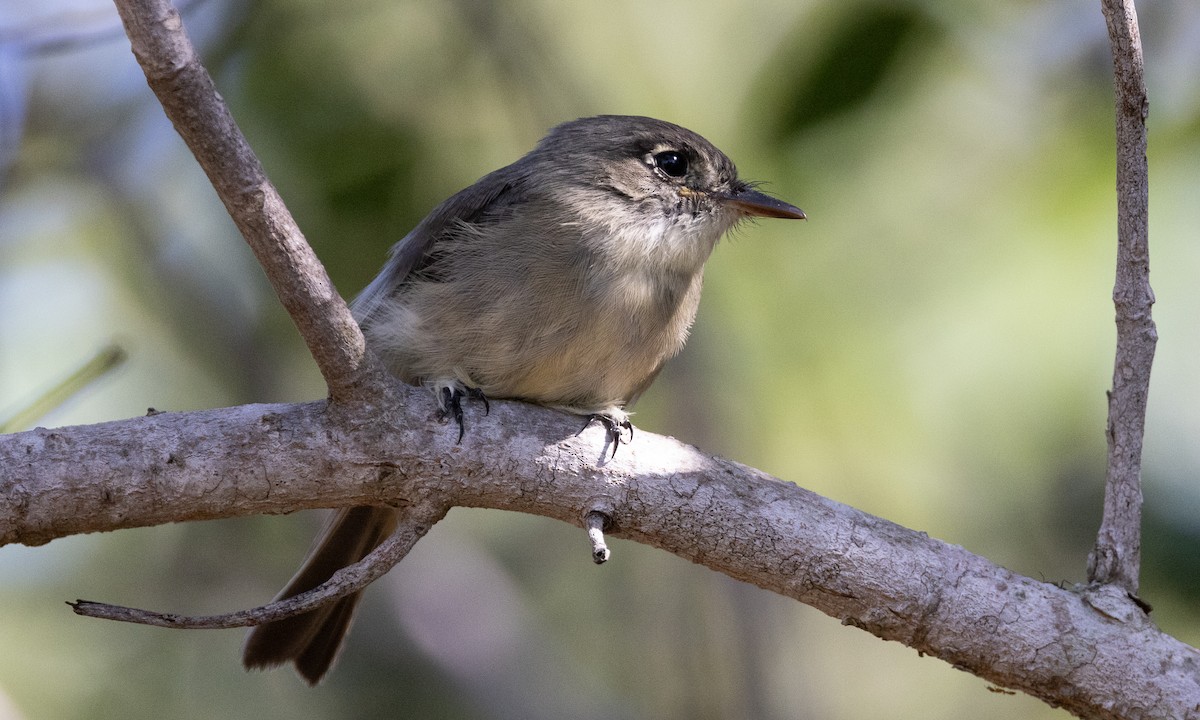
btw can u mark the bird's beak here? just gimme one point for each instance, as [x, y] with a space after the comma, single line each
[754, 203]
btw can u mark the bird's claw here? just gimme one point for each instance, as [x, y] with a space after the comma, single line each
[452, 398]
[614, 428]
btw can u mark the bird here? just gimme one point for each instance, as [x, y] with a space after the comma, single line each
[565, 279]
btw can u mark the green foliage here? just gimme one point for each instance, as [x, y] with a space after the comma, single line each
[818, 77]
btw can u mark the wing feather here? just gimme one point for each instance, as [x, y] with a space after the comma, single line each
[480, 203]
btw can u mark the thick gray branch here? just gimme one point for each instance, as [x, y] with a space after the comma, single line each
[1091, 651]
[199, 114]
[1116, 557]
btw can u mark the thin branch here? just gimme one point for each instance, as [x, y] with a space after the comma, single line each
[348, 580]
[1092, 651]
[595, 523]
[101, 363]
[1116, 557]
[190, 99]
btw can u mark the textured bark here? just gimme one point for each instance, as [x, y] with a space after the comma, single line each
[1092, 651]
[1116, 557]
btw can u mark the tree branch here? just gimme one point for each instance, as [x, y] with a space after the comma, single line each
[1091, 651]
[414, 522]
[1116, 557]
[190, 99]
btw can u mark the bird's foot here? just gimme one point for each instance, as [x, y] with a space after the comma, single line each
[450, 402]
[615, 423]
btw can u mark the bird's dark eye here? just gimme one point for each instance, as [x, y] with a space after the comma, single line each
[671, 162]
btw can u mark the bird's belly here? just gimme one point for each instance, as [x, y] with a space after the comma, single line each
[584, 342]
[607, 351]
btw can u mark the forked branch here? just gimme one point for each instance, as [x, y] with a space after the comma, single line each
[189, 98]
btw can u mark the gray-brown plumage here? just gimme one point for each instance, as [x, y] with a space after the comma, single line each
[566, 279]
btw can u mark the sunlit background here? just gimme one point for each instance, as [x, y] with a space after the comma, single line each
[932, 346]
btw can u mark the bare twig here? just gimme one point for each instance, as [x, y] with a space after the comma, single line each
[188, 96]
[413, 525]
[1116, 557]
[595, 522]
[104, 361]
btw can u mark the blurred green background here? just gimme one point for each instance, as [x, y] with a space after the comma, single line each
[932, 346]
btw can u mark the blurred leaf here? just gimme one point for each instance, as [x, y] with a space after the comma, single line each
[346, 173]
[858, 55]
[1169, 545]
